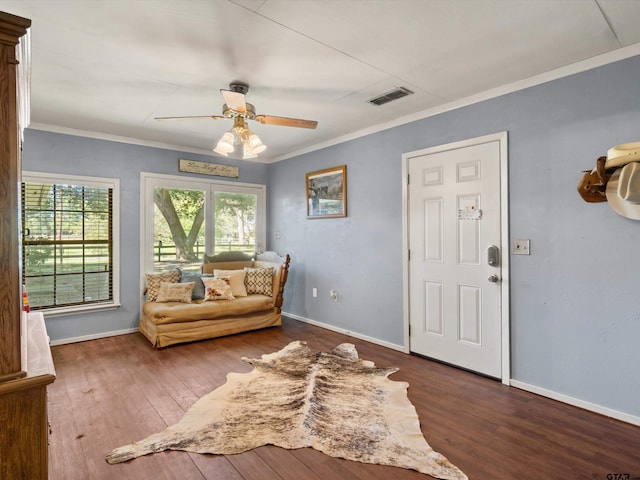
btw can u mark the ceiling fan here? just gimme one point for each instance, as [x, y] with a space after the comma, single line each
[238, 109]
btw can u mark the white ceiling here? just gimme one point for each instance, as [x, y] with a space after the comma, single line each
[105, 68]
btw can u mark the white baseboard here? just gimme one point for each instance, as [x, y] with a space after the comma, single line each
[95, 336]
[359, 336]
[576, 402]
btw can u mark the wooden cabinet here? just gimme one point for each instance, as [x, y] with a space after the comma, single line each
[24, 426]
[12, 28]
[26, 367]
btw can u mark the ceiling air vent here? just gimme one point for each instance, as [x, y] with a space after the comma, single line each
[394, 94]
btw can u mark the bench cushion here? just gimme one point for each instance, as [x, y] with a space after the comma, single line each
[175, 312]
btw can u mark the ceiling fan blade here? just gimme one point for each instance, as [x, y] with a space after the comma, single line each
[214, 117]
[286, 121]
[234, 100]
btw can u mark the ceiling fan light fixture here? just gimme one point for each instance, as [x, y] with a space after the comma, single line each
[255, 144]
[225, 144]
[220, 151]
[236, 107]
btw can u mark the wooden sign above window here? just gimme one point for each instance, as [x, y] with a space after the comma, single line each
[205, 168]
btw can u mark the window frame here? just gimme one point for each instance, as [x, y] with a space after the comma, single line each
[85, 181]
[150, 181]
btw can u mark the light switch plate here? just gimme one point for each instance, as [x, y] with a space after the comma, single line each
[521, 247]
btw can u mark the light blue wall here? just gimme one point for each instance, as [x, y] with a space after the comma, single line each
[575, 301]
[58, 153]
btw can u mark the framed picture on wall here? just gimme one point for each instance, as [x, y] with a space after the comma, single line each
[327, 193]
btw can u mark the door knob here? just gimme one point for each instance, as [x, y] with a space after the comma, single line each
[493, 278]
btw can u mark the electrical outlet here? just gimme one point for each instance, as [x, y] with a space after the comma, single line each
[276, 235]
[334, 295]
[521, 247]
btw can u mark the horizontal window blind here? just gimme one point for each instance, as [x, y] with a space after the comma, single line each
[67, 244]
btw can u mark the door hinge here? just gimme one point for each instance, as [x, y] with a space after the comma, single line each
[409, 255]
[408, 179]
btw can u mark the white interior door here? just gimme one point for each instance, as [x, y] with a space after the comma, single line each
[455, 255]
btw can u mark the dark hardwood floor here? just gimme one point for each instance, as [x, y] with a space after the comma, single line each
[113, 391]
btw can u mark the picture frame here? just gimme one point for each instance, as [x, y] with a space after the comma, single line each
[327, 193]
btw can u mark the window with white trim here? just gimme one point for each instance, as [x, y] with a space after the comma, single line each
[183, 218]
[69, 242]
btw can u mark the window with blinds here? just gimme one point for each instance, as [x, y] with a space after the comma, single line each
[67, 243]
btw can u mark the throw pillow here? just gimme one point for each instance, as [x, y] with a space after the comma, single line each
[175, 292]
[236, 279]
[155, 279]
[198, 288]
[259, 280]
[217, 289]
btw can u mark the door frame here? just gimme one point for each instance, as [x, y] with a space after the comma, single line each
[501, 137]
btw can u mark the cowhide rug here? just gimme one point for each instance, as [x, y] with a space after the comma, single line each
[294, 398]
